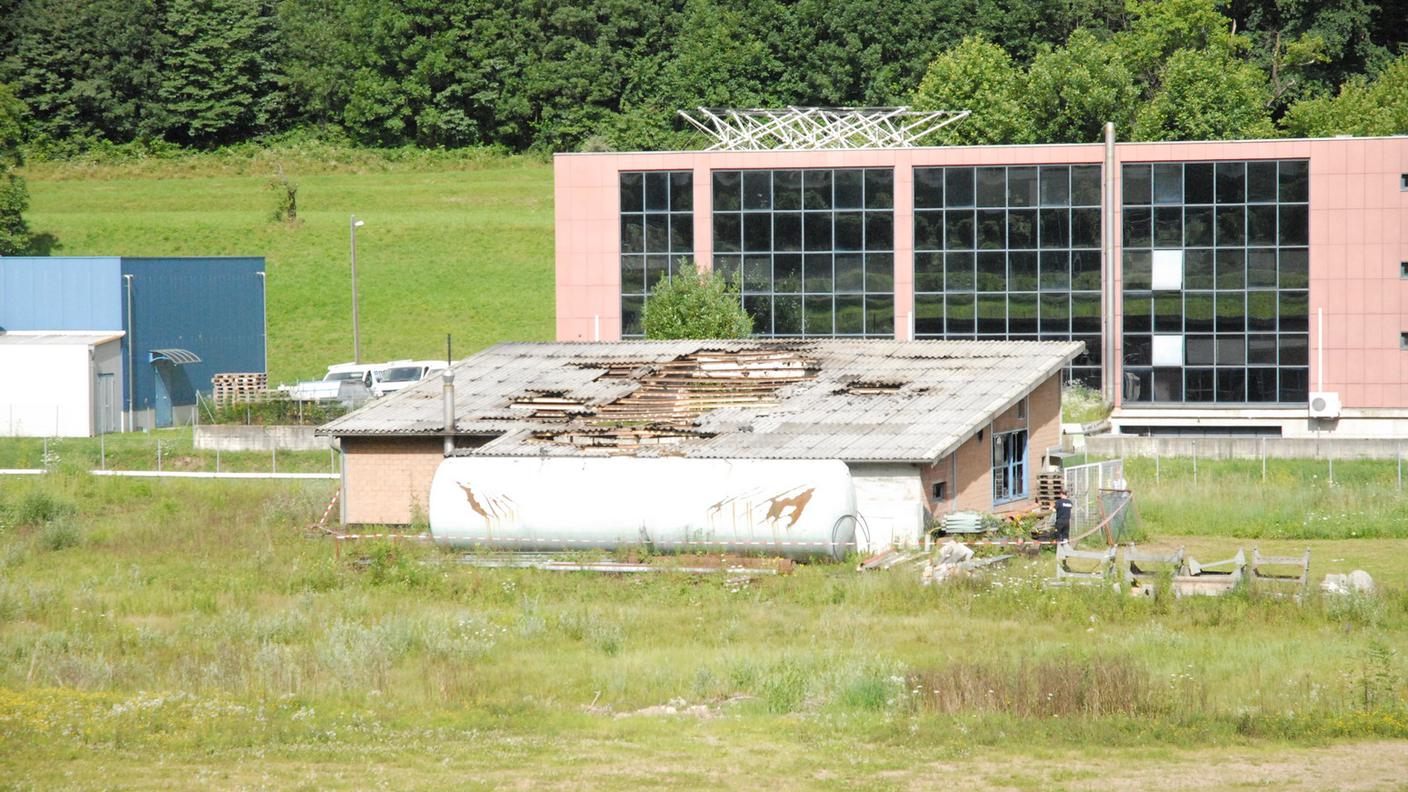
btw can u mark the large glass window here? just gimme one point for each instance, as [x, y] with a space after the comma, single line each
[1010, 253]
[1216, 277]
[813, 249]
[657, 232]
[1009, 466]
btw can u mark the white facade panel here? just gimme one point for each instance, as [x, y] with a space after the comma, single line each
[890, 501]
[46, 390]
[1168, 350]
[1168, 270]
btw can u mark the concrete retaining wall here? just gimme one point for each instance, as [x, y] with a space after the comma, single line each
[1246, 447]
[260, 438]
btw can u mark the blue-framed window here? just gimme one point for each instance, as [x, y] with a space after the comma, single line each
[1009, 466]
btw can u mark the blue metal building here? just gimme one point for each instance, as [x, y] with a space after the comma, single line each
[185, 319]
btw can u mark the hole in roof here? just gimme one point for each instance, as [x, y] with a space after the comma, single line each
[872, 387]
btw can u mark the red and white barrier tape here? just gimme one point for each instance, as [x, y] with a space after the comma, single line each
[487, 540]
[322, 523]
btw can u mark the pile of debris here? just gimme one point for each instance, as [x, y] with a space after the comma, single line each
[951, 560]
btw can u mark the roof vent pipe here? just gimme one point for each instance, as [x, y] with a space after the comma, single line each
[448, 377]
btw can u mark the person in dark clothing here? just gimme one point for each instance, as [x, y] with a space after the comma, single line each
[1062, 522]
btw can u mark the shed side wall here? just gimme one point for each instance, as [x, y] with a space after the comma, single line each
[388, 479]
[974, 463]
[213, 307]
[46, 390]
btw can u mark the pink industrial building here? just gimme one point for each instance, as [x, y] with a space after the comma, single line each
[1220, 287]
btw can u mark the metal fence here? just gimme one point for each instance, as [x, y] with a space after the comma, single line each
[1083, 486]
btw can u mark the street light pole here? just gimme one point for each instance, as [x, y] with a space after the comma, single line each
[264, 296]
[353, 225]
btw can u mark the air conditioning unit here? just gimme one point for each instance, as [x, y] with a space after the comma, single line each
[1324, 405]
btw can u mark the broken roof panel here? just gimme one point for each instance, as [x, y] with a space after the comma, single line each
[849, 399]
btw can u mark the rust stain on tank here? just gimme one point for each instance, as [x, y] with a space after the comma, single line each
[474, 502]
[778, 504]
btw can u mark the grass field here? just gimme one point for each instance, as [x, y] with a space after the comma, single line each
[179, 633]
[162, 449]
[1298, 499]
[454, 242]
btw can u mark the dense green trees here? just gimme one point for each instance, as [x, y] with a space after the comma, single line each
[1362, 107]
[1180, 70]
[14, 197]
[558, 74]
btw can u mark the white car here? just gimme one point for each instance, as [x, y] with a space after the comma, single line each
[401, 374]
[345, 382]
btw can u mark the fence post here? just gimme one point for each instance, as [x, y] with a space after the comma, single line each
[158, 455]
[332, 461]
[1331, 460]
[274, 459]
[217, 459]
[1156, 463]
[44, 460]
[103, 451]
[1263, 460]
[1400, 470]
[1195, 462]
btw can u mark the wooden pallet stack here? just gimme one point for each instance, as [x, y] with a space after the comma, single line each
[230, 388]
[1048, 488]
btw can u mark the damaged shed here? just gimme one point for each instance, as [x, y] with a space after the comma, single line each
[922, 428]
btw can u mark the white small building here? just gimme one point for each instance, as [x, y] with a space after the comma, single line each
[60, 383]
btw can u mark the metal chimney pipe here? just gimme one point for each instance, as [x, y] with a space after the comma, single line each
[448, 378]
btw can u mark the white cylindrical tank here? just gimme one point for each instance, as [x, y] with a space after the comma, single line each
[798, 509]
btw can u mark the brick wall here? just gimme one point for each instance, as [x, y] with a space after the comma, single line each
[1044, 422]
[388, 479]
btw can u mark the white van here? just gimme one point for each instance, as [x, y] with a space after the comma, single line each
[401, 374]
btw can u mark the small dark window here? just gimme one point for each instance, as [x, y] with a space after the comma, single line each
[1403, 340]
[1022, 409]
[1403, 269]
[1403, 182]
[940, 492]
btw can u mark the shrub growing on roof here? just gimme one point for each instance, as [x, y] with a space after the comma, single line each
[695, 304]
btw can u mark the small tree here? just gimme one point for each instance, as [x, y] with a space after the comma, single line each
[285, 198]
[695, 304]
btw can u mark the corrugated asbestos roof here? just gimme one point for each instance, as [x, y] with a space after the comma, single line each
[853, 400]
